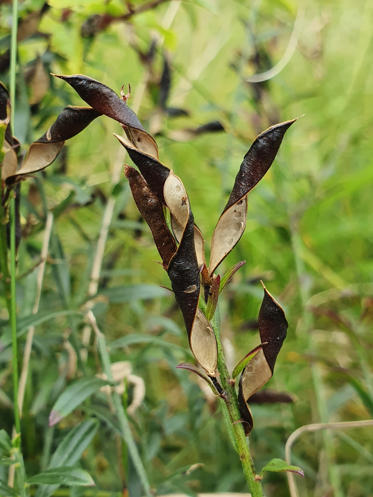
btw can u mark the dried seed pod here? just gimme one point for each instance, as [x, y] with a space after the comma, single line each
[9, 157]
[213, 296]
[104, 100]
[4, 104]
[203, 343]
[10, 162]
[199, 244]
[70, 122]
[154, 172]
[151, 209]
[183, 272]
[259, 370]
[255, 164]
[271, 397]
[227, 233]
[272, 327]
[176, 199]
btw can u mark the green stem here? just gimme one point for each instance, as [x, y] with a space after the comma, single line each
[13, 61]
[231, 404]
[122, 418]
[12, 221]
[13, 314]
[4, 269]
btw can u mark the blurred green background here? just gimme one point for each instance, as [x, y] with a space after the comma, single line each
[309, 232]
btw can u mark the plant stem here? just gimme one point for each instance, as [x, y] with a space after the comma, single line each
[13, 314]
[4, 269]
[12, 221]
[31, 330]
[122, 418]
[231, 404]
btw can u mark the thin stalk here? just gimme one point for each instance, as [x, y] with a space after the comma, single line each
[122, 418]
[231, 403]
[31, 330]
[5, 276]
[12, 220]
[13, 315]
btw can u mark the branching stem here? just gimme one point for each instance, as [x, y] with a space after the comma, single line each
[231, 403]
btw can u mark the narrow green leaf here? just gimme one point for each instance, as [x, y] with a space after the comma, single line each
[74, 444]
[129, 293]
[245, 361]
[65, 475]
[6, 491]
[41, 317]
[137, 338]
[5, 442]
[229, 275]
[277, 465]
[69, 451]
[73, 396]
[362, 393]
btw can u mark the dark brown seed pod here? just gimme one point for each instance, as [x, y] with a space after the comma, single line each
[183, 272]
[255, 164]
[70, 122]
[258, 160]
[151, 209]
[272, 327]
[271, 397]
[4, 104]
[104, 100]
[272, 330]
[247, 419]
[154, 172]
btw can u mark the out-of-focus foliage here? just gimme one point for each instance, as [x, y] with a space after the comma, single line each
[308, 236]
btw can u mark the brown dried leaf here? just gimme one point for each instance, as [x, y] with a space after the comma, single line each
[29, 25]
[203, 343]
[151, 210]
[154, 172]
[43, 151]
[255, 164]
[38, 81]
[104, 100]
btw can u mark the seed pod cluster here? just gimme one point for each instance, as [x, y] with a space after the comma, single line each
[156, 190]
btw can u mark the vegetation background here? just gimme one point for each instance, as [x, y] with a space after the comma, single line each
[309, 234]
